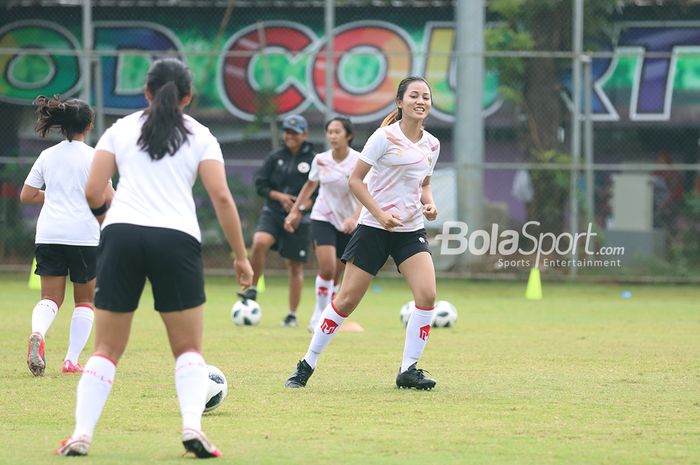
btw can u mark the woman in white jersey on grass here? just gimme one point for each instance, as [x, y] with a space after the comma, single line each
[151, 231]
[335, 212]
[67, 234]
[402, 155]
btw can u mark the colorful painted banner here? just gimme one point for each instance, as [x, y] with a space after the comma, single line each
[286, 60]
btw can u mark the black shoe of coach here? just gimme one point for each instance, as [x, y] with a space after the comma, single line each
[248, 294]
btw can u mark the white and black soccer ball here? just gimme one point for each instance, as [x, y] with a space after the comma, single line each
[445, 314]
[246, 313]
[217, 388]
[406, 311]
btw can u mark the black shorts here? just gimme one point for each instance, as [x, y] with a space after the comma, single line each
[369, 247]
[293, 246]
[170, 259]
[59, 260]
[324, 233]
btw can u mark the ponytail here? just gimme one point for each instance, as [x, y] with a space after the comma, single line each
[391, 118]
[72, 117]
[164, 131]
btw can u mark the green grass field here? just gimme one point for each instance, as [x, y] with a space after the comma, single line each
[581, 377]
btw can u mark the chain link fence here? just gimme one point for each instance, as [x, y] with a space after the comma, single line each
[617, 197]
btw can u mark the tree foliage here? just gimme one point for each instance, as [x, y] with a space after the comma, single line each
[533, 84]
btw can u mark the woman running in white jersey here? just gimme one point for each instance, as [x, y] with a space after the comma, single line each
[402, 156]
[335, 212]
[151, 231]
[67, 234]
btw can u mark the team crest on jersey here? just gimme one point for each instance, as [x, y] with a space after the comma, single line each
[280, 162]
[303, 167]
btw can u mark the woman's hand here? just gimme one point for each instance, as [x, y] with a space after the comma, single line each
[244, 272]
[349, 225]
[291, 222]
[389, 221]
[286, 200]
[430, 211]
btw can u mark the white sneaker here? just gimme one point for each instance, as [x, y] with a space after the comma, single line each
[197, 443]
[72, 447]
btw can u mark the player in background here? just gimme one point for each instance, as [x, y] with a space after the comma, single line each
[279, 181]
[151, 231]
[335, 212]
[67, 234]
[402, 155]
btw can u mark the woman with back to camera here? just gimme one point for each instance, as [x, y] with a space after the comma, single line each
[67, 234]
[335, 212]
[402, 155]
[151, 231]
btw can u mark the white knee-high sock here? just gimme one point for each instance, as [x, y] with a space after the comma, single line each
[324, 290]
[191, 385]
[417, 332]
[80, 327]
[43, 315]
[327, 327]
[93, 389]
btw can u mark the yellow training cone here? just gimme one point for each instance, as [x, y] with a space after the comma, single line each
[34, 279]
[534, 285]
[261, 283]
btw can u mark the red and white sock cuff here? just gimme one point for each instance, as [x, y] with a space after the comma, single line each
[427, 309]
[100, 368]
[84, 311]
[105, 358]
[49, 303]
[188, 359]
[338, 312]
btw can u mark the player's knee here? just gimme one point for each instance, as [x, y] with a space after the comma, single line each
[259, 246]
[181, 349]
[54, 297]
[107, 351]
[425, 298]
[346, 303]
[326, 272]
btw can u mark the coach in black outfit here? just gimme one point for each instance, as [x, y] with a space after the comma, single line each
[279, 181]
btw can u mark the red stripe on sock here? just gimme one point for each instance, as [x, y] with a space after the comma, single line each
[336, 310]
[86, 306]
[427, 309]
[106, 358]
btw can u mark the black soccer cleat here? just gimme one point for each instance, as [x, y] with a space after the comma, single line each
[414, 378]
[249, 294]
[300, 376]
[290, 321]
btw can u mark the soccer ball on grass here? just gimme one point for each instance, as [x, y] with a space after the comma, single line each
[217, 388]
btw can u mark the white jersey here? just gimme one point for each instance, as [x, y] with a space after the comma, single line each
[400, 167]
[65, 217]
[335, 202]
[157, 193]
